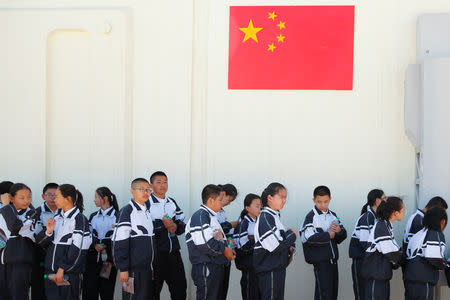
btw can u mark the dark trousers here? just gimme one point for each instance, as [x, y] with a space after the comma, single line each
[359, 284]
[66, 292]
[170, 269]
[249, 285]
[143, 286]
[327, 280]
[208, 278]
[377, 289]
[94, 285]
[271, 284]
[418, 291]
[3, 287]
[37, 275]
[226, 282]
[18, 281]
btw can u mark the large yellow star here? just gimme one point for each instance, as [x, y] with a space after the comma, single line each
[271, 47]
[281, 38]
[250, 32]
[272, 16]
[281, 25]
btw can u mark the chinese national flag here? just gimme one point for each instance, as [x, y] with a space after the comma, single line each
[291, 47]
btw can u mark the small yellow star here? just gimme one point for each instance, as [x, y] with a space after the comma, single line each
[250, 32]
[281, 38]
[281, 25]
[272, 16]
[271, 47]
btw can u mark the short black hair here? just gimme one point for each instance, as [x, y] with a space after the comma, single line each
[157, 173]
[436, 201]
[229, 189]
[138, 180]
[5, 186]
[18, 187]
[433, 217]
[48, 186]
[210, 191]
[321, 190]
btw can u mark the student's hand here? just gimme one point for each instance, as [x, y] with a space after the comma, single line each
[229, 253]
[335, 227]
[5, 199]
[251, 237]
[50, 225]
[99, 247]
[59, 276]
[167, 222]
[234, 224]
[172, 228]
[331, 233]
[124, 276]
[218, 236]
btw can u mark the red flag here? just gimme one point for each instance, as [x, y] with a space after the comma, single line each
[291, 47]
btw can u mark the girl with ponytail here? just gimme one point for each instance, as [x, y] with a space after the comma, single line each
[99, 279]
[383, 253]
[358, 242]
[245, 243]
[67, 239]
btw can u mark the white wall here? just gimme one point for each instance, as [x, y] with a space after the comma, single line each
[158, 93]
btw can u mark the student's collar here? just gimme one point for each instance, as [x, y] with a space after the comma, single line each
[271, 211]
[106, 212]
[250, 219]
[156, 199]
[21, 211]
[319, 212]
[70, 213]
[203, 206]
[389, 224]
[372, 211]
[420, 212]
[139, 206]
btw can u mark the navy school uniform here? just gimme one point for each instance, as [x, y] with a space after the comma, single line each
[66, 248]
[245, 243]
[134, 249]
[43, 213]
[169, 265]
[271, 253]
[206, 253]
[18, 229]
[101, 226]
[357, 250]
[425, 257]
[228, 230]
[380, 258]
[322, 252]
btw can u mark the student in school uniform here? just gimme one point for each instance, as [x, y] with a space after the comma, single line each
[206, 244]
[244, 236]
[66, 239]
[168, 223]
[133, 242]
[18, 226]
[229, 193]
[321, 233]
[273, 244]
[359, 239]
[414, 223]
[99, 279]
[383, 253]
[4, 197]
[44, 212]
[425, 256]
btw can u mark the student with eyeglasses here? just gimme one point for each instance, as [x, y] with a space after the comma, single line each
[133, 243]
[44, 212]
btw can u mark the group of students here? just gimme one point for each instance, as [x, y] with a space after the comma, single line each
[61, 254]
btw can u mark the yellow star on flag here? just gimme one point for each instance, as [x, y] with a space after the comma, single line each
[281, 38]
[281, 25]
[271, 47]
[272, 16]
[250, 32]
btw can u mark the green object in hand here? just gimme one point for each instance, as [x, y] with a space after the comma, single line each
[167, 217]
